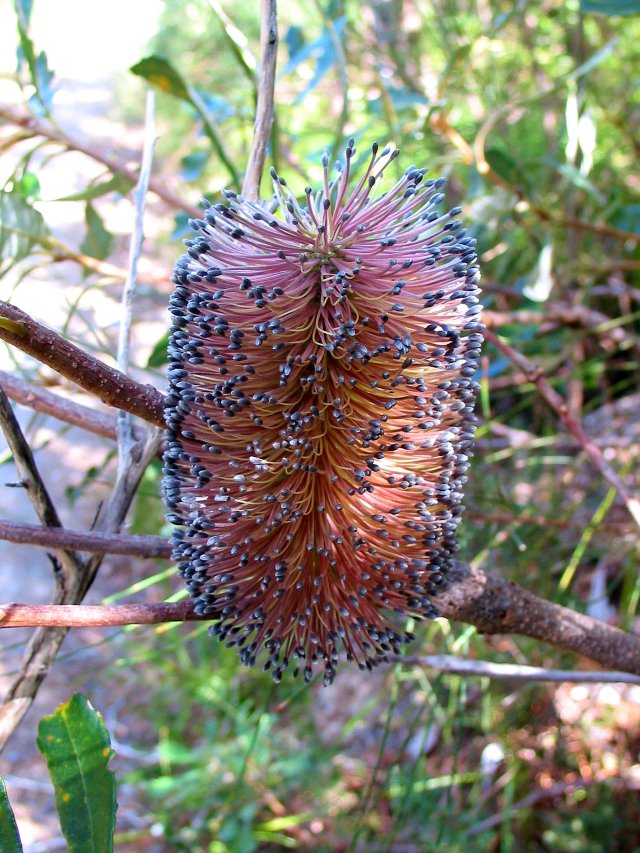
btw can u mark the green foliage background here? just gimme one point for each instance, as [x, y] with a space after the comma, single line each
[505, 99]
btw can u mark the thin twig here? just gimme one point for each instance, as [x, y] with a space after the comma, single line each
[94, 616]
[66, 564]
[43, 647]
[265, 105]
[106, 383]
[535, 374]
[37, 127]
[493, 605]
[513, 672]
[42, 400]
[124, 422]
[145, 547]
[565, 315]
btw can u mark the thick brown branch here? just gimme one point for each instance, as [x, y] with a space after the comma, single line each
[109, 385]
[496, 606]
[264, 108]
[147, 547]
[37, 127]
[493, 605]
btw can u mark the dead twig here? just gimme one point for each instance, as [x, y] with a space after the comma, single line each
[146, 547]
[38, 127]
[124, 424]
[514, 672]
[265, 105]
[66, 564]
[536, 375]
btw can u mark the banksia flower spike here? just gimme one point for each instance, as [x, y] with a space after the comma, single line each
[320, 413]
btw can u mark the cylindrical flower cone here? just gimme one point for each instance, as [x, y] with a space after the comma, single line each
[320, 415]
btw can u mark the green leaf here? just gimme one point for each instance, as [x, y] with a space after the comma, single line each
[21, 228]
[158, 356]
[28, 186]
[9, 835]
[40, 75]
[98, 241]
[161, 74]
[192, 164]
[610, 7]
[75, 744]
[116, 184]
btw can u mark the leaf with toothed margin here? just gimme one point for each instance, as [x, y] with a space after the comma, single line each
[9, 835]
[75, 744]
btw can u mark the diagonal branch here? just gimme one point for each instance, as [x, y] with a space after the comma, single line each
[38, 127]
[66, 563]
[497, 606]
[535, 374]
[106, 383]
[59, 407]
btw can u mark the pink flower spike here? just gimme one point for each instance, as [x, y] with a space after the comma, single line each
[320, 415]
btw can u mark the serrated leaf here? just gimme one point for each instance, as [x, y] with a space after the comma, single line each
[9, 835]
[610, 7]
[98, 242]
[21, 228]
[117, 184]
[75, 744]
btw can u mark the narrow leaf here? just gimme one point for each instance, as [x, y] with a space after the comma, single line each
[21, 227]
[161, 74]
[116, 184]
[98, 242]
[9, 835]
[75, 744]
[158, 356]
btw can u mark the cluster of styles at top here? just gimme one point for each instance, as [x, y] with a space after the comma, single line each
[320, 414]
